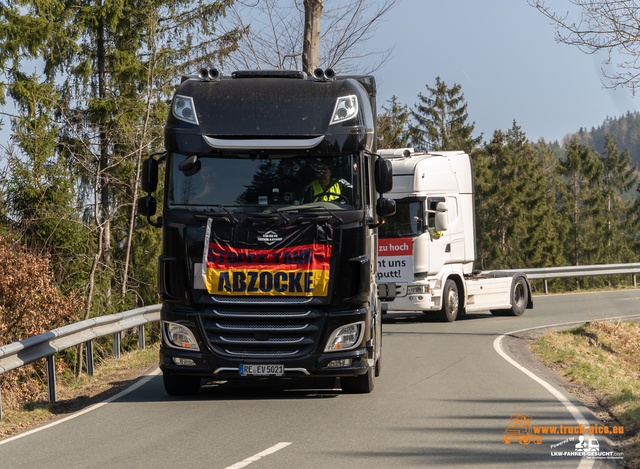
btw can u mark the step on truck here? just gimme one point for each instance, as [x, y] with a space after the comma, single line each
[272, 199]
[427, 249]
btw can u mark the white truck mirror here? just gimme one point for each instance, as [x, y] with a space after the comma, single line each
[442, 219]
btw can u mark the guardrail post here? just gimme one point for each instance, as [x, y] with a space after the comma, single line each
[0, 399]
[89, 348]
[141, 336]
[546, 287]
[51, 378]
[116, 345]
[634, 281]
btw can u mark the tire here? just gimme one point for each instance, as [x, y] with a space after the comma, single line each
[519, 299]
[178, 385]
[378, 345]
[450, 302]
[378, 366]
[362, 384]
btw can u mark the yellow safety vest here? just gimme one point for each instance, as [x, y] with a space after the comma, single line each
[317, 190]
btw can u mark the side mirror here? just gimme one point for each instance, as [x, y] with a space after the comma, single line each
[149, 176]
[147, 206]
[442, 219]
[385, 207]
[383, 175]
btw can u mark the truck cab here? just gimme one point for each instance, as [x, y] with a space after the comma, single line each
[427, 249]
[269, 227]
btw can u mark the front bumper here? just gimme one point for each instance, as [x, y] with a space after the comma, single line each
[422, 302]
[215, 362]
[398, 298]
[212, 366]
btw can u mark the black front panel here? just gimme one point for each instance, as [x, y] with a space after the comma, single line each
[253, 107]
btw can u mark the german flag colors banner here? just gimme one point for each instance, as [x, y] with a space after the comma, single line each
[284, 261]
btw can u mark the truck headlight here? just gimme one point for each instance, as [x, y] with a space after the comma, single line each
[346, 108]
[184, 109]
[416, 289]
[345, 337]
[179, 336]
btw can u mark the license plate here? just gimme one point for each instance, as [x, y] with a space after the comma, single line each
[261, 370]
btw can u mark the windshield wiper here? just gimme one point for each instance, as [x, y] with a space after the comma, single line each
[233, 219]
[287, 220]
[318, 217]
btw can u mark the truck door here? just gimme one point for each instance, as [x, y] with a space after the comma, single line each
[440, 241]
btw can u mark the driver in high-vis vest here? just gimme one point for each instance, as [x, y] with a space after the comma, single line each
[327, 188]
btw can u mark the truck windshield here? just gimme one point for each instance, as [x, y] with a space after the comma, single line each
[249, 183]
[407, 221]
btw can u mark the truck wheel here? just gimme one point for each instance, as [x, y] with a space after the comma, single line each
[177, 385]
[450, 302]
[378, 344]
[362, 384]
[378, 365]
[519, 299]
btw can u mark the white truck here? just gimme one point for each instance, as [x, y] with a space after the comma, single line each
[426, 251]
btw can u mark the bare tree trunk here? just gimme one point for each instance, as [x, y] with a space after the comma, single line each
[94, 265]
[575, 220]
[142, 145]
[311, 37]
[104, 159]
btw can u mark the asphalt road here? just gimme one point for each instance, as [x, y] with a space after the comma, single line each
[444, 399]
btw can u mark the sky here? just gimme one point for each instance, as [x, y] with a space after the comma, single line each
[504, 55]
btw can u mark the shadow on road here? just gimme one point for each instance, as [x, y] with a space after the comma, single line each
[270, 389]
[409, 317]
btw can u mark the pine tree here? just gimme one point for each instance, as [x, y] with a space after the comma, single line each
[514, 200]
[442, 120]
[393, 125]
[41, 190]
[618, 178]
[579, 194]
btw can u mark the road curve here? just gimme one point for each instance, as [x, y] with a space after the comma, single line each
[444, 399]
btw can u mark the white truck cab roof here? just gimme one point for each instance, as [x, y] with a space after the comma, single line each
[414, 172]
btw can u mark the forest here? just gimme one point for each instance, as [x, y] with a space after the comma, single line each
[71, 245]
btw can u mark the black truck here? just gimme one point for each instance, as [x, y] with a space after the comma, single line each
[272, 199]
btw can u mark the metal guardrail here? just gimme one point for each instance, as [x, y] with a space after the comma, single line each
[580, 271]
[46, 345]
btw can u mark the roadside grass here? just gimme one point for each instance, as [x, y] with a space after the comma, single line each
[110, 376]
[604, 356]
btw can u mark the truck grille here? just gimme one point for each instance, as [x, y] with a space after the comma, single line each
[266, 300]
[285, 332]
[262, 353]
[258, 314]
